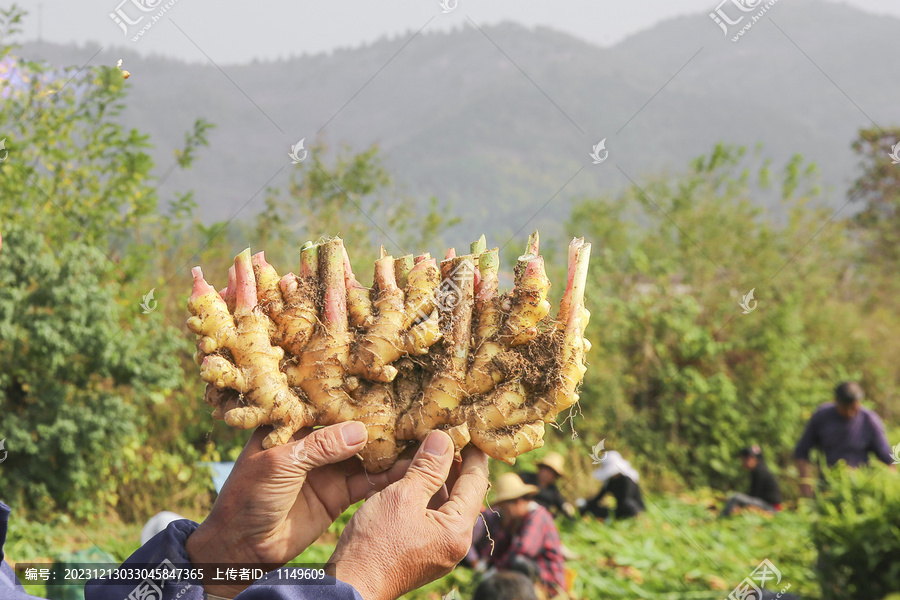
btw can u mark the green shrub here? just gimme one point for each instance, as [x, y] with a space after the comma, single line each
[680, 377]
[857, 534]
[76, 373]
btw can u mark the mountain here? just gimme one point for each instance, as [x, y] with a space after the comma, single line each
[497, 121]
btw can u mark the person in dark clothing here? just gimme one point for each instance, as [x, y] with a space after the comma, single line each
[764, 491]
[550, 469]
[621, 480]
[842, 430]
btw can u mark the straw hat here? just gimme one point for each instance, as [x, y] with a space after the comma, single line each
[555, 462]
[510, 486]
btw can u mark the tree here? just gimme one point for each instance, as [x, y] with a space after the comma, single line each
[352, 196]
[878, 190]
[73, 376]
[82, 368]
[679, 378]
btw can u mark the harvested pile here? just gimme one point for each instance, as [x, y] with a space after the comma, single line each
[429, 347]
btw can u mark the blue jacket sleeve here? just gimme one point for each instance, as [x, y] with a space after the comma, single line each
[10, 588]
[166, 550]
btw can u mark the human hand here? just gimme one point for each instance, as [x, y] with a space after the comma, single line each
[414, 531]
[804, 468]
[277, 502]
[806, 490]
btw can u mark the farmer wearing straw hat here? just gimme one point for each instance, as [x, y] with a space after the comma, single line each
[621, 480]
[522, 537]
[550, 469]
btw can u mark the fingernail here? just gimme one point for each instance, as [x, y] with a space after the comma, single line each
[354, 433]
[437, 444]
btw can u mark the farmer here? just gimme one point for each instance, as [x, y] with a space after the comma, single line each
[522, 537]
[550, 469]
[764, 491]
[415, 525]
[621, 480]
[842, 430]
[505, 585]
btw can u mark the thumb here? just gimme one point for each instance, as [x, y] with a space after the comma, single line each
[329, 445]
[429, 468]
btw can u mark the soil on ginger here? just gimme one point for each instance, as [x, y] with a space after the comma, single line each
[537, 363]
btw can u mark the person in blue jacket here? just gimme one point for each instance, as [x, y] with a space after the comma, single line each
[414, 526]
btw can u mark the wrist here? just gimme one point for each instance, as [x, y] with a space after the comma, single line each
[207, 546]
[370, 586]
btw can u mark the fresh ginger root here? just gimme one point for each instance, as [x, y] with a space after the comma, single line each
[428, 347]
[254, 368]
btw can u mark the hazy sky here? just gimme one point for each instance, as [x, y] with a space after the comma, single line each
[230, 32]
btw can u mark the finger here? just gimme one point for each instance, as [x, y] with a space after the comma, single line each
[398, 470]
[363, 485]
[429, 468]
[302, 433]
[467, 496]
[328, 445]
[439, 498]
[254, 444]
[454, 471]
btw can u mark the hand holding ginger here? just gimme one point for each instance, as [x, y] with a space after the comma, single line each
[277, 502]
[384, 556]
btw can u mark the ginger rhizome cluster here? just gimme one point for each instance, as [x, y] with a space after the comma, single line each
[432, 345]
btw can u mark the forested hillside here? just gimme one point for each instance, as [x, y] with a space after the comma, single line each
[497, 122]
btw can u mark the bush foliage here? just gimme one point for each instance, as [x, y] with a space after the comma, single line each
[857, 534]
[680, 376]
